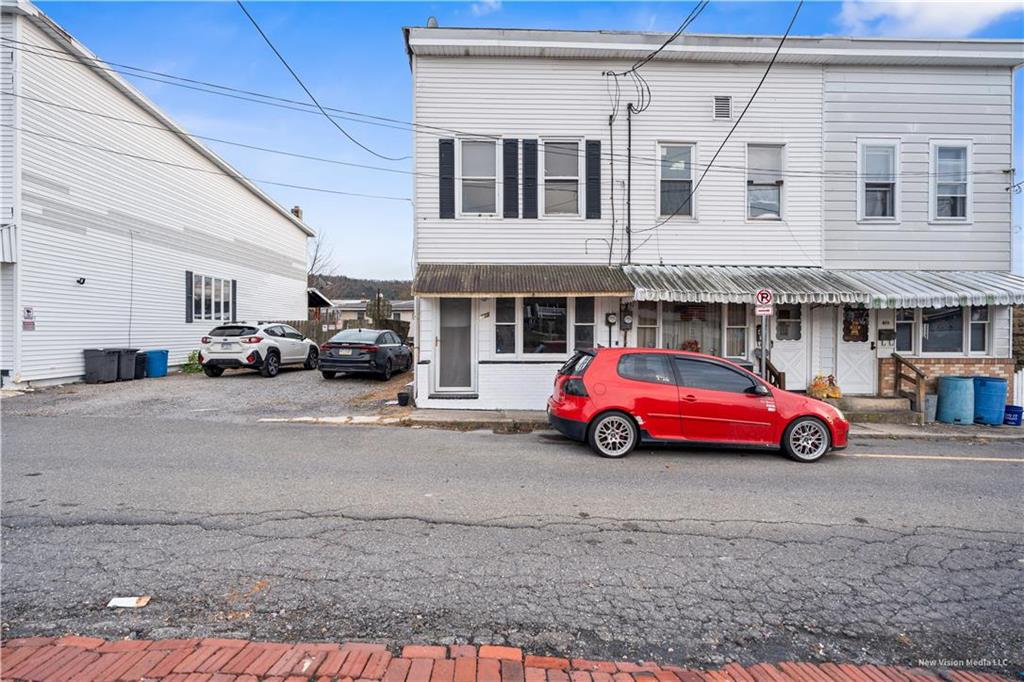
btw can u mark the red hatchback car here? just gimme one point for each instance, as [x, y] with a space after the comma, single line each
[616, 398]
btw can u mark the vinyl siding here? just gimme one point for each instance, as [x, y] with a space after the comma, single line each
[7, 84]
[537, 98]
[131, 228]
[917, 105]
[7, 316]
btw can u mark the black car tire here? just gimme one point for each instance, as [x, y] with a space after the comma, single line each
[386, 374]
[312, 359]
[272, 365]
[327, 374]
[212, 371]
[613, 434]
[806, 439]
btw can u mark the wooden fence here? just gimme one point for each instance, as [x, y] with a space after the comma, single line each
[322, 330]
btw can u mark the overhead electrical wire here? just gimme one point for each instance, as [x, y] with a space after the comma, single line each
[236, 175]
[398, 124]
[312, 97]
[750, 101]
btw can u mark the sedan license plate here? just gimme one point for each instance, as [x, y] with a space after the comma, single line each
[226, 345]
[345, 351]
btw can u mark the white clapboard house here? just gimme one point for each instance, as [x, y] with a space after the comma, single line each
[867, 187]
[118, 230]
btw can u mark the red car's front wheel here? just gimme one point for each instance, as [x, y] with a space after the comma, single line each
[613, 434]
[806, 439]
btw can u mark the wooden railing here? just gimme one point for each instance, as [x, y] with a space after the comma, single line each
[906, 373]
[776, 377]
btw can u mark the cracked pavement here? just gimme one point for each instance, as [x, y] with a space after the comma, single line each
[280, 531]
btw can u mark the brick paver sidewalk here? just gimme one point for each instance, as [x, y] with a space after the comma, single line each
[224, 660]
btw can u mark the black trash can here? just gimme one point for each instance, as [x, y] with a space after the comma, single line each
[140, 365]
[101, 365]
[126, 363]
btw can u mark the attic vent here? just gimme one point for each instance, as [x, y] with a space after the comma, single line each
[723, 106]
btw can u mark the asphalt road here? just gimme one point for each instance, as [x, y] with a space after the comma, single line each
[397, 534]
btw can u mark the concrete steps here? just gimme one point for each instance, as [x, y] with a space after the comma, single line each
[875, 410]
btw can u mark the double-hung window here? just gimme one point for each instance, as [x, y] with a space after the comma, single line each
[505, 325]
[764, 182]
[583, 325]
[647, 324]
[979, 329]
[479, 175]
[878, 180]
[905, 330]
[950, 188]
[675, 180]
[561, 177]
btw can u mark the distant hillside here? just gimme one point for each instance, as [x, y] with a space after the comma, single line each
[339, 286]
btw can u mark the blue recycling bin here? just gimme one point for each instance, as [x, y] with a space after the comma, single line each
[956, 400]
[989, 400]
[156, 363]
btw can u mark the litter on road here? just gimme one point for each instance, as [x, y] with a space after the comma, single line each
[128, 602]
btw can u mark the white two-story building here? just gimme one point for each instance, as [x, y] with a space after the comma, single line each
[867, 186]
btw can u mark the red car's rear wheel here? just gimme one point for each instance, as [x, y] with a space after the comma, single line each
[613, 434]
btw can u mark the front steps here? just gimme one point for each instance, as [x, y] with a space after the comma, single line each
[876, 410]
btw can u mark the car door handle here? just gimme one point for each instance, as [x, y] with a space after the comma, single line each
[690, 398]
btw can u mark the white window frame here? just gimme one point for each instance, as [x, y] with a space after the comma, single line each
[543, 178]
[746, 332]
[915, 330]
[519, 355]
[498, 151]
[220, 292]
[965, 338]
[895, 143]
[782, 186]
[516, 323]
[692, 217]
[933, 165]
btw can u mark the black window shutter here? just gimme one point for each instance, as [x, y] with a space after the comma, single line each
[234, 300]
[188, 296]
[529, 178]
[510, 178]
[593, 179]
[446, 171]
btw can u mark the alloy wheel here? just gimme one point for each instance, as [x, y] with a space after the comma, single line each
[808, 440]
[614, 435]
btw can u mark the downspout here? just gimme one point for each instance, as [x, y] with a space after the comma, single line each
[629, 183]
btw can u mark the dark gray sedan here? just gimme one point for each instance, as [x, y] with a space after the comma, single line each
[365, 351]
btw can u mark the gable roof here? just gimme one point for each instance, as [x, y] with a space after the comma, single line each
[87, 57]
[631, 45]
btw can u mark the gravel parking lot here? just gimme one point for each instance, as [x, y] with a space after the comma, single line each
[238, 396]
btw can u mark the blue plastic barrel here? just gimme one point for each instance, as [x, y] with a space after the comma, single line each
[989, 400]
[956, 400]
[156, 363]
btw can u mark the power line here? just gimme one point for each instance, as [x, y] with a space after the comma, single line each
[310, 94]
[303, 107]
[750, 101]
[236, 175]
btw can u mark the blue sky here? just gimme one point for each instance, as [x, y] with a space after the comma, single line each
[351, 55]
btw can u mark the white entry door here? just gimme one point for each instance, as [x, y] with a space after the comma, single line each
[856, 364]
[791, 332]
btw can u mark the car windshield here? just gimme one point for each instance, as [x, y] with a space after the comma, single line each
[356, 336]
[233, 330]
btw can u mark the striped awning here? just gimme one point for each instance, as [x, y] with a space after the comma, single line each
[872, 288]
[479, 280]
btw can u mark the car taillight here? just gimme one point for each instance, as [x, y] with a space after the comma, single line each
[204, 340]
[252, 339]
[323, 346]
[574, 386]
[371, 349]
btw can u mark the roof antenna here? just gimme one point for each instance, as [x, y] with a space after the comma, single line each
[431, 22]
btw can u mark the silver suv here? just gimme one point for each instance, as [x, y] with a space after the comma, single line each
[265, 346]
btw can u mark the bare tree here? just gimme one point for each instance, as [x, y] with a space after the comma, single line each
[321, 262]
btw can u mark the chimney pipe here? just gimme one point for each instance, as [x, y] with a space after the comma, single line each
[297, 212]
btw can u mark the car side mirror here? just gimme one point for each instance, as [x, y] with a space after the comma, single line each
[758, 390]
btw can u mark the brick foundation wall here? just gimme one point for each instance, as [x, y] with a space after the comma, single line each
[936, 367]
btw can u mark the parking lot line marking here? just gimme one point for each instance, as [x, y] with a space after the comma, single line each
[955, 458]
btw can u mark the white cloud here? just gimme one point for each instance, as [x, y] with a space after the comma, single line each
[922, 18]
[485, 7]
